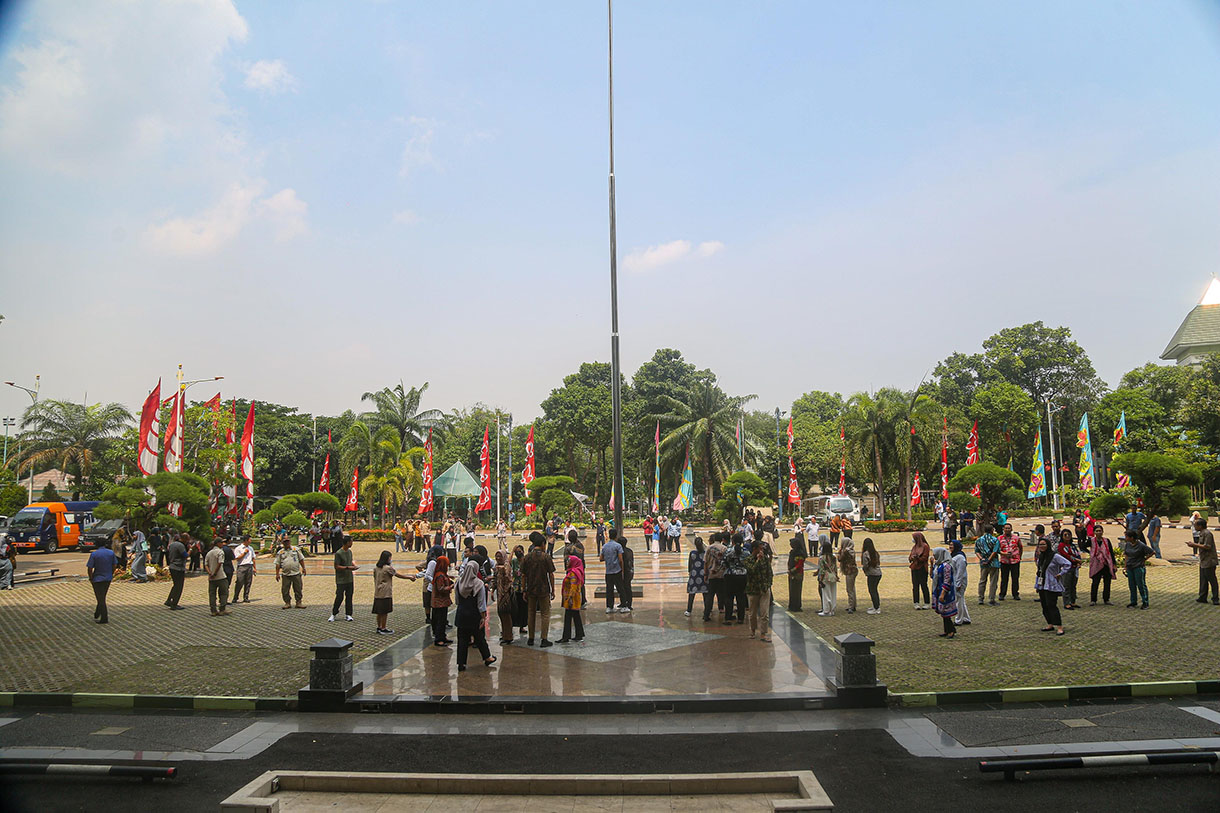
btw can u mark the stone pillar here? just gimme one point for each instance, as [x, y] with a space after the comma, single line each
[330, 676]
[855, 681]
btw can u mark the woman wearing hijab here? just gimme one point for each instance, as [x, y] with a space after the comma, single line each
[1049, 583]
[1068, 550]
[519, 605]
[848, 568]
[960, 578]
[944, 593]
[870, 563]
[442, 588]
[571, 600]
[470, 614]
[796, 572]
[1102, 568]
[735, 580]
[383, 591]
[139, 556]
[828, 576]
[502, 587]
[696, 581]
[918, 559]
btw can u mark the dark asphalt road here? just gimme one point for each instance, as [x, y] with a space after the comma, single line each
[861, 770]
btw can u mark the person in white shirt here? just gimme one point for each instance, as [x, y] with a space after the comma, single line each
[243, 558]
[812, 528]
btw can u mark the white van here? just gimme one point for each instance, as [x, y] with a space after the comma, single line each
[827, 506]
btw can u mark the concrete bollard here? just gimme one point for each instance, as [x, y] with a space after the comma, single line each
[855, 681]
[330, 676]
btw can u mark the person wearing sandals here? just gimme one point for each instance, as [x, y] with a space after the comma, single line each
[1049, 582]
[470, 613]
[442, 588]
[383, 590]
[502, 587]
[944, 591]
[571, 598]
[696, 581]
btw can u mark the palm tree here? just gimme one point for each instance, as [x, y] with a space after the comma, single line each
[373, 450]
[399, 408]
[401, 482]
[707, 420]
[869, 422]
[71, 434]
[912, 433]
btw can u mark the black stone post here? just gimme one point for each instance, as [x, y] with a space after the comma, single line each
[855, 681]
[330, 676]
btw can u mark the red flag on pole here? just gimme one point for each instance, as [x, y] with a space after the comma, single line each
[527, 476]
[794, 490]
[247, 446]
[353, 497]
[213, 403]
[789, 436]
[148, 449]
[324, 480]
[484, 503]
[425, 497]
[173, 446]
[916, 496]
[843, 462]
[944, 461]
[972, 453]
[230, 491]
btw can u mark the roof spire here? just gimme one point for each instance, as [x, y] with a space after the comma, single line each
[1212, 297]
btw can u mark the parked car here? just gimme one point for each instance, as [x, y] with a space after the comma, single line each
[101, 534]
[828, 506]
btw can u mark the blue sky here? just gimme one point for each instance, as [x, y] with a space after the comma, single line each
[317, 199]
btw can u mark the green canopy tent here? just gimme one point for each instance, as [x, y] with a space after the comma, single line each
[457, 481]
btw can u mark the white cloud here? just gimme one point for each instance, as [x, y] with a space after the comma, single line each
[653, 257]
[219, 225]
[417, 152]
[270, 76]
[406, 217]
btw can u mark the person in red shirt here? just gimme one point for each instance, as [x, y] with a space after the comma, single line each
[1011, 550]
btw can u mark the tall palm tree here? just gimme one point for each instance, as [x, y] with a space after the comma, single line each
[374, 451]
[71, 434]
[913, 434]
[399, 408]
[869, 422]
[707, 420]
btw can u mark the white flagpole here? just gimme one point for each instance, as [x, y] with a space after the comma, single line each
[497, 467]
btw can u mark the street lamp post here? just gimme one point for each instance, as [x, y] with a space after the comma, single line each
[615, 390]
[33, 393]
[7, 423]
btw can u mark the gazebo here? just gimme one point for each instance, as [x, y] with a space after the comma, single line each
[456, 482]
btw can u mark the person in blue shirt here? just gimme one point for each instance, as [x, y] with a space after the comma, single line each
[1135, 520]
[101, 572]
[987, 550]
[1154, 535]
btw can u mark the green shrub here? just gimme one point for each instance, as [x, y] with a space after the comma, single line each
[894, 525]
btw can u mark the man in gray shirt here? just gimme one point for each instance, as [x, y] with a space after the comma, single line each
[612, 555]
[175, 558]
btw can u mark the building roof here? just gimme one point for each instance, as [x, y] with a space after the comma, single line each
[457, 481]
[1200, 328]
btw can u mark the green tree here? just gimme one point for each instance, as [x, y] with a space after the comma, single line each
[1109, 505]
[870, 424]
[705, 421]
[49, 493]
[70, 435]
[317, 501]
[579, 421]
[552, 493]
[1167, 385]
[398, 408]
[994, 483]
[740, 489]
[1041, 360]
[1008, 419]
[666, 375]
[130, 500]
[1163, 481]
[373, 451]
[13, 497]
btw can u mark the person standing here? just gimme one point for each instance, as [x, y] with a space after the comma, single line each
[549, 531]
[100, 568]
[397, 539]
[571, 601]
[442, 590]
[612, 554]
[335, 542]
[713, 565]
[1011, 551]
[243, 557]
[502, 590]
[675, 535]
[696, 580]
[7, 555]
[1068, 550]
[1135, 520]
[469, 614]
[194, 549]
[538, 586]
[1135, 560]
[1154, 535]
[917, 560]
[960, 578]
[383, 590]
[345, 581]
[1102, 569]
[1049, 582]
[735, 581]
[229, 558]
[139, 556]
[290, 573]
[628, 571]
[502, 534]
[218, 585]
[1205, 545]
[176, 564]
[828, 576]
[949, 522]
[870, 563]
[796, 572]
[944, 593]
[758, 590]
[848, 568]
[987, 551]
[157, 546]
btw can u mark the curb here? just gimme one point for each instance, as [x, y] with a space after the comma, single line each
[98, 700]
[1056, 694]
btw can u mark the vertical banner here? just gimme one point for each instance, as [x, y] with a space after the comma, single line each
[1085, 444]
[247, 459]
[916, 495]
[843, 462]
[173, 446]
[425, 496]
[353, 496]
[230, 490]
[484, 503]
[1037, 471]
[686, 490]
[944, 460]
[1120, 434]
[972, 454]
[656, 472]
[148, 447]
[527, 476]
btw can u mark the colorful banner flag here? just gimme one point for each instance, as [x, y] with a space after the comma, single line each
[1085, 444]
[686, 490]
[1120, 434]
[353, 496]
[247, 446]
[972, 454]
[916, 495]
[944, 460]
[173, 446]
[484, 503]
[425, 496]
[1037, 471]
[324, 480]
[656, 471]
[843, 461]
[527, 476]
[794, 490]
[148, 446]
[790, 436]
[230, 490]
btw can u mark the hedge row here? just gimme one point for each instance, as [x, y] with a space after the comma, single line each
[893, 525]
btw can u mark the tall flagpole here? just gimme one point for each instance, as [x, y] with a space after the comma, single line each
[615, 390]
[497, 467]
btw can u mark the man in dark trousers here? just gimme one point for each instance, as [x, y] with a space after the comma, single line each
[101, 572]
[176, 561]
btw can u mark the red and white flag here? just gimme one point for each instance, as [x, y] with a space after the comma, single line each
[247, 446]
[527, 476]
[972, 453]
[230, 491]
[353, 497]
[789, 436]
[916, 496]
[324, 480]
[794, 490]
[944, 461]
[425, 497]
[843, 462]
[173, 446]
[484, 503]
[149, 447]
[250, 497]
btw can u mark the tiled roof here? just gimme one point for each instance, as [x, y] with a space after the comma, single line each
[1200, 327]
